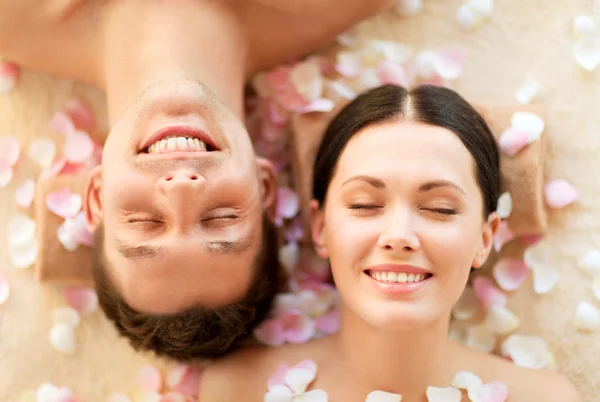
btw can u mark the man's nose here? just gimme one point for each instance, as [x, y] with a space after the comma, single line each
[182, 193]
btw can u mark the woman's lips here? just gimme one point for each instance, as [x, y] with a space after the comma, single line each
[398, 279]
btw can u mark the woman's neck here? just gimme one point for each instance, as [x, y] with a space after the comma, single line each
[404, 362]
[147, 42]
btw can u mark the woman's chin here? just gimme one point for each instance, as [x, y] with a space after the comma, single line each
[397, 320]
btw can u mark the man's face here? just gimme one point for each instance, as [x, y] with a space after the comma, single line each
[181, 196]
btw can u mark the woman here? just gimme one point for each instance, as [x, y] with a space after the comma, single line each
[405, 194]
[181, 208]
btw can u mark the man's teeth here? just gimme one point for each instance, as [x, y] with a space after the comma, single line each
[399, 277]
[177, 144]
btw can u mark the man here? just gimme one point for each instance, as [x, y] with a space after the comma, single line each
[181, 208]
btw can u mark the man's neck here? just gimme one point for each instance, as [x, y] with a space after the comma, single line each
[147, 42]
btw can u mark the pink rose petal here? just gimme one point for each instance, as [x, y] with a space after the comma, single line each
[560, 193]
[545, 278]
[308, 365]
[48, 392]
[270, 332]
[21, 229]
[487, 293]
[62, 123]
[176, 375]
[510, 273]
[295, 230]
[62, 338]
[261, 86]
[55, 169]
[9, 76]
[279, 78]
[10, 150]
[64, 203]
[278, 377]
[494, 391]
[530, 239]
[119, 398]
[80, 114]
[503, 236]
[348, 64]
[72, 168]
[24, 193]
[318, 105]
[297, 327]
[42, 152]
[175, 397]
[512, 141]
[291, 100]
[392, 73]
[289, 256]
[79, 147]
[288, 203]
[74, 232]
[4, 289]
[307, 80]
[449, 63]
[6, 175]
[82, 299]
[24, 255]
[190, 385]
[329, 323]
[278, 114]
[447, 394]
[337, 89]
[149, 379]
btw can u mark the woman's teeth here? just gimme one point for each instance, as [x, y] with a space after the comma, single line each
[398, 277]
[177, 144]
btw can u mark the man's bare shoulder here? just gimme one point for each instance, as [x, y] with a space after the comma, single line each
[246, 372]
[524, 385]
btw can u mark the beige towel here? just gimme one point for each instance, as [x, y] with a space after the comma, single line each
[522, 175]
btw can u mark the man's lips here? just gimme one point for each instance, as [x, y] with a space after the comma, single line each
[180, 131]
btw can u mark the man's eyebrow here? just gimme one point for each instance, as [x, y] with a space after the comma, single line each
[146, 251]
[138, 252]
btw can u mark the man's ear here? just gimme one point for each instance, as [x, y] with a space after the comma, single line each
[268, 187]
[317, 224]
[92, 199]
[490, 228]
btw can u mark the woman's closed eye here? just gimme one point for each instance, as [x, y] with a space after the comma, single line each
[364, 206]
[443, 211]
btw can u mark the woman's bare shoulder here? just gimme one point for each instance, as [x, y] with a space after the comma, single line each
[525, 385]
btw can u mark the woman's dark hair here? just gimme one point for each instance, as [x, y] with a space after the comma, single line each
[435, 106]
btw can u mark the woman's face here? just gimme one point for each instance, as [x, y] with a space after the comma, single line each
[403, 224]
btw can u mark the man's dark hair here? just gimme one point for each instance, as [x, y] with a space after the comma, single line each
[197, 332]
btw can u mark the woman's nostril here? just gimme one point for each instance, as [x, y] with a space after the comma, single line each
[193, 177]
[168, 178]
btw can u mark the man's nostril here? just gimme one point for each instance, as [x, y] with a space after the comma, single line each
[168, 178]
[193, 177]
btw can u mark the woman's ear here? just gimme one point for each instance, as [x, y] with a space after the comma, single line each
[268, 187]
[489, 230]
[92, 199]
[317, 224]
